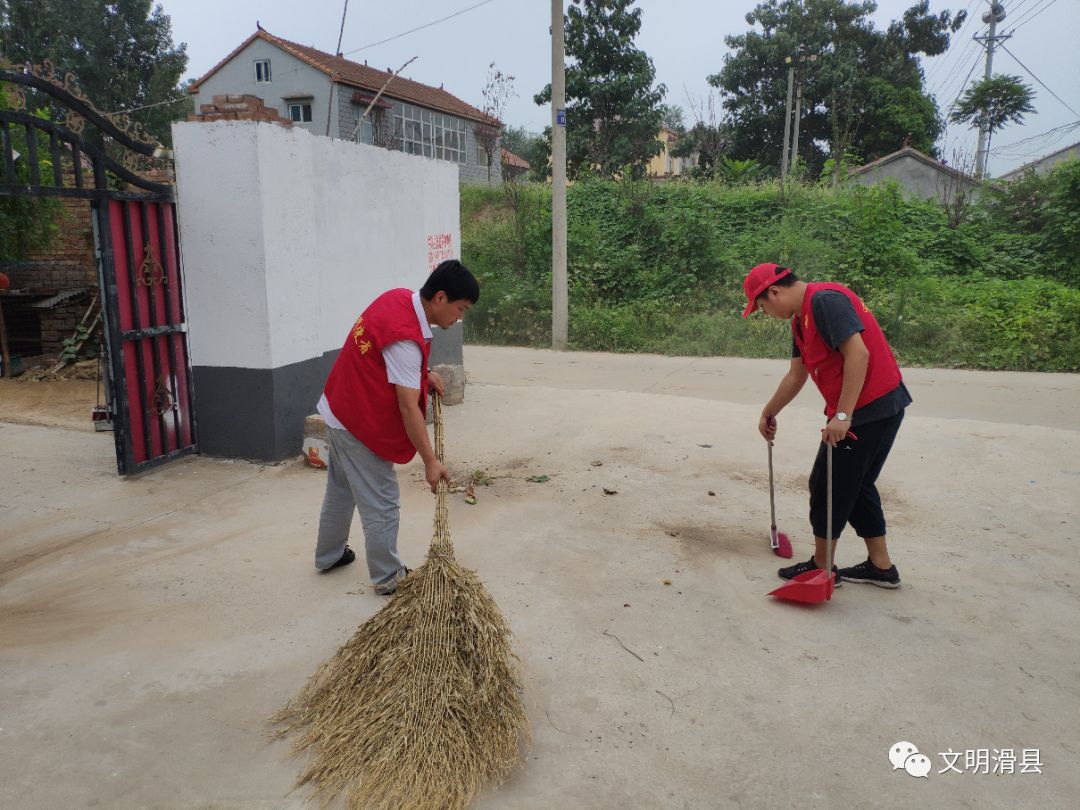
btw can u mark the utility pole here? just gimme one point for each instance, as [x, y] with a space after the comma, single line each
[995, 15]
[798, 114]
[787, 120]
[559, 306]
[791, 129]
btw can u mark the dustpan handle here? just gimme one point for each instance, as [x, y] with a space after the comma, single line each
[828, 509]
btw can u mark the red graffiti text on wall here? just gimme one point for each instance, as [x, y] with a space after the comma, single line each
[440, 248]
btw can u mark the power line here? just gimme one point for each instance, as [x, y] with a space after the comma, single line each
[148, 106]
[947, 83]
[950, 74]
[1015, 8]
[945, 57]
[1038, 151]
[1064, 129]
[964, 83]
[419, 27]
[1040, 81]
[1032, 13]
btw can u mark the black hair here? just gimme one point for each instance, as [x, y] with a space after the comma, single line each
[454, 279]
[787, 281]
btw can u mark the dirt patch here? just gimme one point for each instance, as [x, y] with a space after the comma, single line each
[52, 403]
[696, 541]
[760, 481]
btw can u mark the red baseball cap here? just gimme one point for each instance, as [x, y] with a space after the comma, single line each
[758, 280]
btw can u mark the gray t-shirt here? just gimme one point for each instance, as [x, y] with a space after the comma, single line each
[836, 321]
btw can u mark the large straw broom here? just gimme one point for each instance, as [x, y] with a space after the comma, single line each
[422, 706]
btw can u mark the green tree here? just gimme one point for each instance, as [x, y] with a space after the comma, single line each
[121, 53]
[27, 223]
[671, 116]
[497, 91]
[612, 106]
[994, 103]
[530, 146]
[862, 92]
[706, 143]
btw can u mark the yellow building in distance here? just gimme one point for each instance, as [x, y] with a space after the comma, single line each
[664, 166]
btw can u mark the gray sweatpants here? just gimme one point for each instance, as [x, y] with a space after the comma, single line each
[358, 479]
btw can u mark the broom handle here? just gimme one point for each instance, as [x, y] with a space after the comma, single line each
[440, 540]
[772, 496]
[436, 418]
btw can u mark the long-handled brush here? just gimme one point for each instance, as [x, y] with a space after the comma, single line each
[422, 706]
[778, 541]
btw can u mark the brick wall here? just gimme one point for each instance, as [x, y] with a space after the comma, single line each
[59, 323]
[69, 261]
[238, 108]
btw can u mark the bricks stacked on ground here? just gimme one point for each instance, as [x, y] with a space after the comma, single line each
[238, 108]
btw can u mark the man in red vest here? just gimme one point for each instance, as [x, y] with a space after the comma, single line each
[374, 404]
[837, 341]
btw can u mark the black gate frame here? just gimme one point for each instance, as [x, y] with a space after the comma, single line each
[139, 151]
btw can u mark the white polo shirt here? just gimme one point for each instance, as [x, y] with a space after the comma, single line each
[404, 363]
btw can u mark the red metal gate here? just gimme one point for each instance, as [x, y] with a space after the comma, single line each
[139, 270]
[148, 348]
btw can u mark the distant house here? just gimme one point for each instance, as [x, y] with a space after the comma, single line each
[664, 165]
[327, 94]
[514, 167]
[919, 175]
[1045, 163]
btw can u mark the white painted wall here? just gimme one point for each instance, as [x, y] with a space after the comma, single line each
[286, 236]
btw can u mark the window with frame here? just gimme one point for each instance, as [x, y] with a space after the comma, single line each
[300, 112]
[262, 71]
[366, 133]
[423, 132]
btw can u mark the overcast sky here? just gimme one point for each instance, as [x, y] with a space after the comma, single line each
[684, 38]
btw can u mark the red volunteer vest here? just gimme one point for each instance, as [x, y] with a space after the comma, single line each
[357, 389]
[826, 364]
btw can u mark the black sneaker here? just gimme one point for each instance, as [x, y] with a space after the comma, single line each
[801, 568]
[347, 557]
[870, 574]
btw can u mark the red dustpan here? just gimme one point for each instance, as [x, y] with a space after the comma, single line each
[817, 585]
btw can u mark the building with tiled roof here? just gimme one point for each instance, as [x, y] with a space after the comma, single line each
[514, 167]
[919, 175]
[327, 95]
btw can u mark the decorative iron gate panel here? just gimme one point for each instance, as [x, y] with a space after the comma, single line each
[139, 268]
[145, 275]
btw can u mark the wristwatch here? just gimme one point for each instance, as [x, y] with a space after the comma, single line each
[840, 416]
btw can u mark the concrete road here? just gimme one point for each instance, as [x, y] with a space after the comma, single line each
[149, 626]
